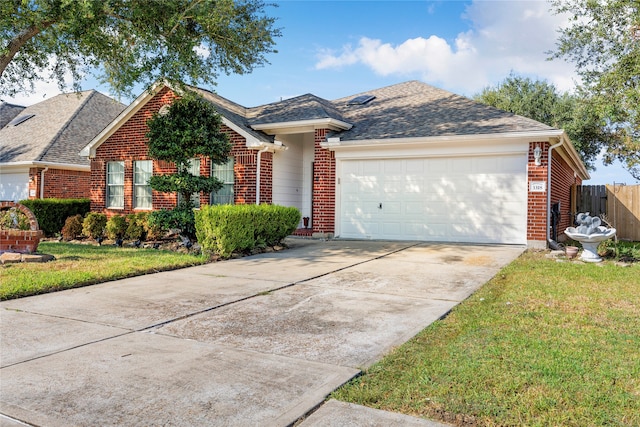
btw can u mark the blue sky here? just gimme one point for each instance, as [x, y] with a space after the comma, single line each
[338, 48]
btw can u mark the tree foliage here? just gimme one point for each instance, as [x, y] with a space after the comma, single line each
[603, 41]
[541, 101]
[130, 41]
[191, 128]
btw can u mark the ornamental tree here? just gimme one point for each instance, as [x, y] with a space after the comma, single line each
[190, 128]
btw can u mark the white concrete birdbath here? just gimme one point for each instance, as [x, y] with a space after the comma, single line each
[590, 234]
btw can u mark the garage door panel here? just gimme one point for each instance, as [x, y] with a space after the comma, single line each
[467, 199]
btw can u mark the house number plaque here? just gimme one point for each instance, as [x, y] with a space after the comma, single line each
[537, 186]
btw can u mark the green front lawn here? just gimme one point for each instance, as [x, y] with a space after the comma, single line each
[543, 343]
[80, 265]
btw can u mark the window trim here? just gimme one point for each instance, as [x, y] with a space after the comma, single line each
[137, 185]
[231, 161]
[110, 186]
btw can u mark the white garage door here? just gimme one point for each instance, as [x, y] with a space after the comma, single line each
[461, 199]
[14, 186]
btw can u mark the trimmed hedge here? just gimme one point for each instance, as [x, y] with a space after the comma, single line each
[52, 213]
[225, 229]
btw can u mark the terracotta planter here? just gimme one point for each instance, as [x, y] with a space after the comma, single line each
[571, 252]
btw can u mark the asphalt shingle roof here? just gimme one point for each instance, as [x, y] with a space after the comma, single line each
[8, 112]
[304, 107]
[405, 110]
[60, 128]
[416, 109]
[233, 112]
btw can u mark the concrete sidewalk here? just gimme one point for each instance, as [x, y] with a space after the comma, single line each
[260, 340]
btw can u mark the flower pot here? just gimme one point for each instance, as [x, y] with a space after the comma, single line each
[571, 251]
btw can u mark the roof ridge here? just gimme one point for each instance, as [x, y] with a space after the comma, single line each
[233, 103]
[92, 93]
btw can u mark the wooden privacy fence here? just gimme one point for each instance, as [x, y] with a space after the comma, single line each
[619, 203]
[590, 198]
[623, 210]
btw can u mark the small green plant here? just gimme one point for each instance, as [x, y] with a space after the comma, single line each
[116, 227]
[94, 225]
[12, 218]
[72, 227]
[137, 227]
[181, 218]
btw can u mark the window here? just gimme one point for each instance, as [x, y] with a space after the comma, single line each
[115, 185]
[194, 169]
[224, 173]
[142, 171]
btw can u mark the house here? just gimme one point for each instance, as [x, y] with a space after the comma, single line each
[404, 162]
[40, 144]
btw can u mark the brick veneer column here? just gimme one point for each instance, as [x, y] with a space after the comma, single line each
[324, 187]
[537, 202]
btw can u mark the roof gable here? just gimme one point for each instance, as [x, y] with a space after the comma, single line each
[232, 116]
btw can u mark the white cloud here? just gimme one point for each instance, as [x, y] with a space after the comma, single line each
[42, 89]
[504, 36]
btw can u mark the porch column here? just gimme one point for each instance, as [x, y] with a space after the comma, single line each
[324, 188]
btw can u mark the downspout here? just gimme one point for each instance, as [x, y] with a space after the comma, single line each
[46, 168]
[264, 150]
[552, 244]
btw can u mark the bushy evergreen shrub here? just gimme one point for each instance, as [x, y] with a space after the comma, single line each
[72, 228]
[94, 224]
[116, 227]
[52, 213]
[137, 227]
[226, 229]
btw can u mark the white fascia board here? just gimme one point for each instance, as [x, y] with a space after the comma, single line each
[571, 156]
[26, 165]
[90, 149]
[300, 126]
[252, 141]
[494, 137]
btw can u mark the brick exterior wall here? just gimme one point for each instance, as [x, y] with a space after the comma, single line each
[128, 144]
[563, 178]
[324, 187]
[60, 183]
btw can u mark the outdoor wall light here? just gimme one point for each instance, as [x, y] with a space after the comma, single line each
[537, 155]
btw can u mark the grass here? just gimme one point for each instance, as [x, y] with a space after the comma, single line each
[79, 265]
[543, 343]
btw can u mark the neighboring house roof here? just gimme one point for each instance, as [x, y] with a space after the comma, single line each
[56, 129]
[8, 112]
[415, 109]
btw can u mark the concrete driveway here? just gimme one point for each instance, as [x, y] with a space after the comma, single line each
[256, 341]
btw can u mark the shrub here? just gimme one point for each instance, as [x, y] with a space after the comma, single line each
[72, 228]
[94, 225]
[137, 226]
[116, 227]
[14, 219]
[52, 213]
[182, 218]
[230, 228]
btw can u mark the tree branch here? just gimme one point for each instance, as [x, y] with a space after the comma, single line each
[20, 40]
